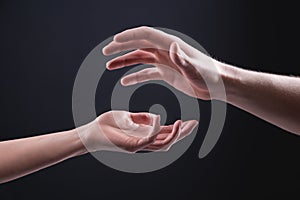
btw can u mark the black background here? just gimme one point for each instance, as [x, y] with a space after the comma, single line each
[42, 45]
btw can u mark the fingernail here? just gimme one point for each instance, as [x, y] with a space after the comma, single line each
[126, 84]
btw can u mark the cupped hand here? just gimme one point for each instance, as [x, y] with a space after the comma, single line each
[130, 132]
[174, 61]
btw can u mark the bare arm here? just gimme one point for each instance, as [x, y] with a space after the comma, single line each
[111, 131]
[274, 98]
[23, 156]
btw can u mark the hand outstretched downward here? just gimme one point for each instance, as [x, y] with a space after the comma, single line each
[174, 61]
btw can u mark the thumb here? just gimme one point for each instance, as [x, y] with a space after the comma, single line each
[155, 126]
[183, 61]
[145, 141]
[177, 55]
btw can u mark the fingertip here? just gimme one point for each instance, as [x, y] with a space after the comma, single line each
[126, 82]
[109, 48]
[118, 38]
[177, 126]
[195, 123]
[190, 125]
[179, 122]
[123, 82]
[156, 124]
[115, 36]
[105, 51]
[109, 66]
[180, 125]
[156, 119]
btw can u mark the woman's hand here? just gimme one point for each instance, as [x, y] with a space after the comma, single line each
[130, 132]
[114, 130]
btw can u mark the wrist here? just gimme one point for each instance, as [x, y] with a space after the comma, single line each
[232, 78]
[91, 136]
[80, 146]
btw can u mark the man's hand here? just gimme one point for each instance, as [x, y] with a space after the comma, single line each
[174, 61]
[274, 98]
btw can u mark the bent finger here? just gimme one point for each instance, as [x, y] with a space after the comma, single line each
[141, 76]
[116, 47]
[171, 137]
[187, 128]
[131, 58]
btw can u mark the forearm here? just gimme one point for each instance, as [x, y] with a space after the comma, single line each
[274, 98]
[24, 156]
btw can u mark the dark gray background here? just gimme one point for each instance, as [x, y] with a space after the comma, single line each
[42, 45]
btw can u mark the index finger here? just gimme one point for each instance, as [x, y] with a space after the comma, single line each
[143, 33]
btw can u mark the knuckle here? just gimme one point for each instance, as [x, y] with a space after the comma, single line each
[145, 28]
[137, 77]
[120, 47]
[146, 31]
[152, 59]
[109, 112]
[148, 73]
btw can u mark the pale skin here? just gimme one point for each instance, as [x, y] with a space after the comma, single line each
[126, 132]
[274, 98]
